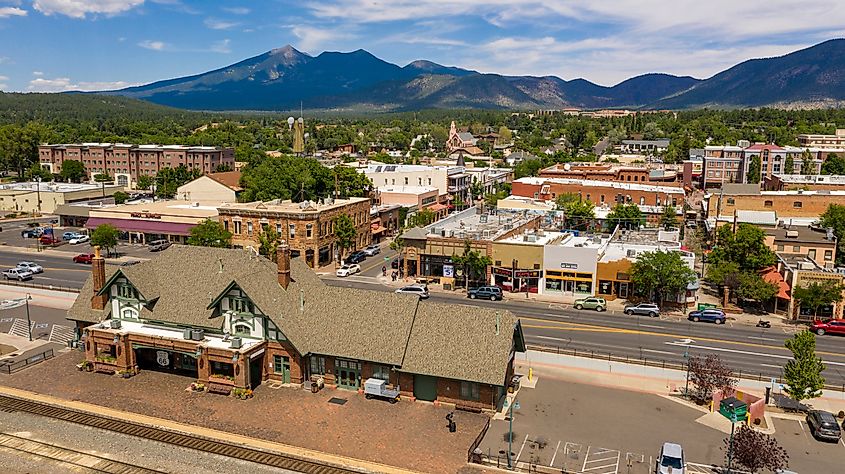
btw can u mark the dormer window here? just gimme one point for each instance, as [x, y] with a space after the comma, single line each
[126, 291]
[241, 330]
[240, 305]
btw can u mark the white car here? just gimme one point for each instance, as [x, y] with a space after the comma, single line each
[348, 269]
[372, 250]
[78, 239]
[671, 460]
[420, 291]
[31, 266]
[19, 274]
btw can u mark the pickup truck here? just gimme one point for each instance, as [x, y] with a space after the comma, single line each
[19, 274]
[377, 388]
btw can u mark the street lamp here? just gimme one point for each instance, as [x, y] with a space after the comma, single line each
[17, 303]
[38, 192]
[514, 406]
[731, 440]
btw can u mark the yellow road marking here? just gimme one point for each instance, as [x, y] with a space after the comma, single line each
[570, 326]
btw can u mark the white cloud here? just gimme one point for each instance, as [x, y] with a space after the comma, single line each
[237, 10]
[153, 45]
[314, 40]
[37, 73]
[6, 12]
[221, 47]
[81, 8]
[63, 84]
[217, 24]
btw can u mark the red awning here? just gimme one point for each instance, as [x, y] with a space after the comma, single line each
[437, 207]
[146, 226]
[771, 275]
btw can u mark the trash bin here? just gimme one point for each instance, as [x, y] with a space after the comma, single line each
[314, 388]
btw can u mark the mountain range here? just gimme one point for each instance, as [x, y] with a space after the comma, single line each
[284, 78]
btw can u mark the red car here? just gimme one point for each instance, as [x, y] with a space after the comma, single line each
[829, 326]
[83, 258]
[49, 240]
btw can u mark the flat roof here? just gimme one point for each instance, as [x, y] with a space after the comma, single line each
[279, 205]
[54, 187]
[172, 207]
[469, 224]
[535, 238]
[406, 189]
[802, 234]
[140, 147]
[538, 181]
[811, 178]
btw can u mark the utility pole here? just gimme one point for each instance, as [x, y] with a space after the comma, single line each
[28, 320]
[731, 440]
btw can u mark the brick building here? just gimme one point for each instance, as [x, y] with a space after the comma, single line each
[798, 204]
[236, 320]
[126, 162]
[307, 227]
[837, 140]
[608, 172]
[812, 182]
[819, 246]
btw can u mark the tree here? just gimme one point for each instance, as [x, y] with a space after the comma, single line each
[169, 179]
[574, 207]
[73, 171]
[789, 165]
[422, 218]
[815, 295]
[833, 165]
[472, 263]
[120, 197]
[210, 233]
[807, 165]
[145, 182]
[105, 235]
[345, 233]
[803, 374]
[753, 287]
[627, 216]
[103, 178]
[37, 171]
[708, 374]
[746, 247]
[505, 135]
[753, 451]
[669, 218]
[725, 274]
[661, 273]
[754, 169]
[269, 241]
[834, 217]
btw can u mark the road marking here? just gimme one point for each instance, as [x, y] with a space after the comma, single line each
[551, 338]
[772, 366]
[555, 454]
[654, 351]
[762, 338]
[651, 326]
[735, 351]
[520, 449]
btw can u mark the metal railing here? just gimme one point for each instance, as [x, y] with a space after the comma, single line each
[25, 284]
[471, 456]
[659, 363]
[12, 367]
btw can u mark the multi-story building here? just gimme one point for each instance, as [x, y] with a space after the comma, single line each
[819, 246]
[125, 163]
[233, 320]
[489, 178]
[835, 141]
[732, 164]
[794, 271]
[795, 207]
[307, 227]
[452, 182]
[47, 197]
[722, 164]
[808, 182]
[610, 172]
[648, 147]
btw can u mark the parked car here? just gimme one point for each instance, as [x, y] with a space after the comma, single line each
[418, 290]
[31, 266]
[823, 425]
[644, 309]
[348, 269]
[715, 315]
[79, 239]
[69, 235]
[31, 234]
[598, 304]
[158, 245]
[356, 257]
[49, 240]
[492, 293]
[829, 326]
[83, 258]
[671, 459]
[372, 250]
[19, 274]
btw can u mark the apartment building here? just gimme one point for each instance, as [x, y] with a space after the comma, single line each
[836, 141]
[732, 164]
[451, 181]
[796, 206]
[722, 164]
[307, 227]
[125, 162]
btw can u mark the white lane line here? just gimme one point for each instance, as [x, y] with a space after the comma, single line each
[772, 366]
[841, 442]
[551, 338]
[615, 467]
[520, 449]
[652, 326]
[654, 351]
[762, 338]
[555, 455]
[736, 351]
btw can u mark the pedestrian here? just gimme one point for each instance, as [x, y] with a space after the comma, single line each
[383, 270]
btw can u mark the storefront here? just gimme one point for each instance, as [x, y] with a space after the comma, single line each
[568, 283]
[517, 280]
[570, 270]
[162, 360]
[614, 279]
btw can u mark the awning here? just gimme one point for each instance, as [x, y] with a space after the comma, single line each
[437, 207]
[379, 230]
[771, 275]
[146, 226]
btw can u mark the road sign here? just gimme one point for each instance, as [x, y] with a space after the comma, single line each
[516, 405]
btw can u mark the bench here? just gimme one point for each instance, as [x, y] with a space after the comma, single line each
[219, 388]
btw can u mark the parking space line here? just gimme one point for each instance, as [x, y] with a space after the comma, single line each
[555, 454]
[584, 466]
[521, 448]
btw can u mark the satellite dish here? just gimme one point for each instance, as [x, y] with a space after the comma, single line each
[305, 136]
[300, 120]
[290, 122]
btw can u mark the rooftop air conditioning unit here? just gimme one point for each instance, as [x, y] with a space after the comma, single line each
[631, 253]
[197, 334]
[792, 234]
[236, 342]
[114, 323]
[186, 334]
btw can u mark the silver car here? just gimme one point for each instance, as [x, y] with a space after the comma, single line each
[372, 250]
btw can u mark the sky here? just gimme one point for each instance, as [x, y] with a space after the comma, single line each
[57, 45]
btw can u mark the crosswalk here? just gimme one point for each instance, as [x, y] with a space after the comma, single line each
[20, 328]
[61, 334]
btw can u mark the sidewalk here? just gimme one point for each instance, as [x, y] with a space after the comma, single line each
[53, 252]
[40, 297]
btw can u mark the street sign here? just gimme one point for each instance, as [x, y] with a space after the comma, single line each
[516, 405]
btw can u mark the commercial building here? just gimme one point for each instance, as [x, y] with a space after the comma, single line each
[224, 187]
[47, 197]
[519, 203]
[794, 182]
[125, 163]
[570, 264]
[146, 221]
[650, 147]
[384, 221]
[418, 197]
[835, 141]
[490, 179]
[452, 182]
[816, 244]
[611, 172]
[722, 164]
[236, 320]
[307, 227]
[800, 271]
[732, 164]
[788, 205]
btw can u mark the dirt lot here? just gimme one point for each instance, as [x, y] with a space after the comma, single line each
[409, 435]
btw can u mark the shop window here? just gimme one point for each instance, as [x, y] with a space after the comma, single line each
[584, 287]
[767, 203]
[554, 285]
[381, 372]
[797, 204]
[470, 391]
[224, 369]
[605, 287]
[317, 365]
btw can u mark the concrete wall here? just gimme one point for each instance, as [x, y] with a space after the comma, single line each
[205, 189]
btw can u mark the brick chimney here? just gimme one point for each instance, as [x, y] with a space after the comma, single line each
[98, 269]
[283, 265]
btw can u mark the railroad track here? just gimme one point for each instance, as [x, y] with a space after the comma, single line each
[79, 459]
[282, 461]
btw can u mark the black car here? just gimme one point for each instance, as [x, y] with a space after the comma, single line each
[492, 293]
[356, 257]
[823, 425]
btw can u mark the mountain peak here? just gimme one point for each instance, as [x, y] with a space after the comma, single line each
[288, 52]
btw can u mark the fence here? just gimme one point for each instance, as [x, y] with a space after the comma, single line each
[41, 286]
[12, 367]
[661, 363]
[471, 456]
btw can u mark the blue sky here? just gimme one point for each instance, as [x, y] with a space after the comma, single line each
[55, 45]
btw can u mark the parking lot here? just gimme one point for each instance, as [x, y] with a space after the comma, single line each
[806, 454]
